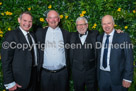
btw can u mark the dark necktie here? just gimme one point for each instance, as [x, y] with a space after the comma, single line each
[32, 50]
[105, 52]
[82, 34]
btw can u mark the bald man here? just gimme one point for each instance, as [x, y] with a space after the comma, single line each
[115, 64]
[53, 64]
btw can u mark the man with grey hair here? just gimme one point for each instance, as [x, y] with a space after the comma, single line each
[83, 56]
[53, 64]
[115, 64]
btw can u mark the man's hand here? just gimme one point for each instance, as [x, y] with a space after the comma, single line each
[119, 31]
[15, 87]
[126, 84]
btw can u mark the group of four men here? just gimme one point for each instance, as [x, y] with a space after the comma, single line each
[24, 68]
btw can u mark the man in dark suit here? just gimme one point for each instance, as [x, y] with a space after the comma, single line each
[83, 56]
[115, 60]
[19, 57]
[54, 56]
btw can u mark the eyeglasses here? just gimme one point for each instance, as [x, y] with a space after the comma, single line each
[81, 24]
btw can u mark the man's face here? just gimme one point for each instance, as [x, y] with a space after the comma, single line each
[25, 22]
[107, 24]
[81, 26]
[53, 19]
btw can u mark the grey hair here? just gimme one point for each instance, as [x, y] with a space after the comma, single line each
[26, 12]
[55, 11]
[112, 19]
[81, 18]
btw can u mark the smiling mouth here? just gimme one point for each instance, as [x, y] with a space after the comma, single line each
[107, 28]
[53, 22]
[26, 26]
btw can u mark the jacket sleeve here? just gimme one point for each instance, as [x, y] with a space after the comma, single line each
[7, 56]
[128, 74]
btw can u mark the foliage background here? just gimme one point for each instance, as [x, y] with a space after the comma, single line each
[123, 11]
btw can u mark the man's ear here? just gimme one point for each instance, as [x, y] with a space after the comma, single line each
[87, 24]
[18, 20]
[59, 19]
[47, 19]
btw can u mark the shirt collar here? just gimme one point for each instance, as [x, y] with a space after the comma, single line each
[23, 31]
[57, 28]
[111, 34]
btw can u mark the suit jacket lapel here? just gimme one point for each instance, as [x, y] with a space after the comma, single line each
[33, 36]
[87, 38]
[114, 40]
[65, 40]
[91, 37]
[78, 38]
[64, 36]
[21, 36]
[101, 39]
[44, 34]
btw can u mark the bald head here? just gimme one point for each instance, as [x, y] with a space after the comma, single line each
[52, 12]
[108, 16]
[53, 19]
[108, 24]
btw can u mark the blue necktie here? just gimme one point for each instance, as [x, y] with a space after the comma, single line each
[105, 52]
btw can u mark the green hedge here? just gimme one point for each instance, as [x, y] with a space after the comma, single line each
[123, 11]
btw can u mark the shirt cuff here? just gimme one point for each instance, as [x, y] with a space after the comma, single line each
[127, 80]
[10, 85]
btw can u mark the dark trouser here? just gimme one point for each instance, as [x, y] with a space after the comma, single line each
[57, 81]
[33, 82]
[84, 79]
[105, 83]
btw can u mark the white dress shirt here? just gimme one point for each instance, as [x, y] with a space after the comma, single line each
[108, 54]
[54, 52]
[35, 49]
[83, 38]
[12, 84]
[109, 51]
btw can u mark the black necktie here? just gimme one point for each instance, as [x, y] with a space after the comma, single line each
[32, 50]
[82, 34]
[105, 51]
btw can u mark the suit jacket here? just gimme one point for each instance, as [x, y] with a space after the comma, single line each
[41, 35]
[16, 62]
[121, 59]
[83, 58]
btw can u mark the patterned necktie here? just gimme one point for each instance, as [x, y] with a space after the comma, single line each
[105, 52]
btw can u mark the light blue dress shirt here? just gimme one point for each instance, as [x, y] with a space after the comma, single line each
[54, 52]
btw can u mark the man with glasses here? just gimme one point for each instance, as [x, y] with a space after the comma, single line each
[82, 56]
